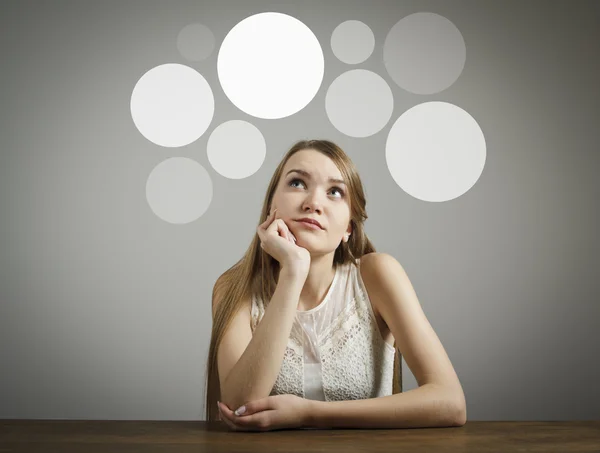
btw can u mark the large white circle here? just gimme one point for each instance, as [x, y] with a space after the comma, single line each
[270, 65]
[435, 151]
[172, 105]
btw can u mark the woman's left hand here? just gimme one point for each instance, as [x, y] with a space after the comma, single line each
[270, 413]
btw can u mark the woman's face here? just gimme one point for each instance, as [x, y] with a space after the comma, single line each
[309, 192]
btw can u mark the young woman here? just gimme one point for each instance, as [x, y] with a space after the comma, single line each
[305, 324]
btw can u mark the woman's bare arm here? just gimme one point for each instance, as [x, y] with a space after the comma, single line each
[254, 374]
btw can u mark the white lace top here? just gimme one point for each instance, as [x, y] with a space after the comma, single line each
[335, 351]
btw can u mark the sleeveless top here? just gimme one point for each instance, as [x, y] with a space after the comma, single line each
[335, 351]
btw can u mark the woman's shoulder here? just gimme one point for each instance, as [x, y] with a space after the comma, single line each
[375, 265]
[374, 259]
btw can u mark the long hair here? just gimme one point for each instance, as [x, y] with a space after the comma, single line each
[256, 273]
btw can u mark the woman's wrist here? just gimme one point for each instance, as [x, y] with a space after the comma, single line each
[294, 272]
[311, 416]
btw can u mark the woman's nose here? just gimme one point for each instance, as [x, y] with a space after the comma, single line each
[313, 203]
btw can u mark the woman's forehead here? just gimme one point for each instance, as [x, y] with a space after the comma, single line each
[315, 164]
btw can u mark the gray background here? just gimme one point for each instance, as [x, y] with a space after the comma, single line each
[105, 308]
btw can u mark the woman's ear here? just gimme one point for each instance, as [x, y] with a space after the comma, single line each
[348, 233]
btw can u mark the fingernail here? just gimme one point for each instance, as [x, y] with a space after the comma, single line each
[240, 411]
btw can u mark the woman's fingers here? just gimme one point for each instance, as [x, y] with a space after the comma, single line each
[268, 220]
[291, 235]
[264, 226]
[283, 229]
[226, 420]
[274, 223]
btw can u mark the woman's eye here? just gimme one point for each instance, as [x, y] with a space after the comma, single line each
[339, 190]
[295, 180]
[333, 188]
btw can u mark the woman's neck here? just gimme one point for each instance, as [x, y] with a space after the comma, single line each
[319, 279]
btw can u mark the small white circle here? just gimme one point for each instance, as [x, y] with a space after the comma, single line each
[352, 42]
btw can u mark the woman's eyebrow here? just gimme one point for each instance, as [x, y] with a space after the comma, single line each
[307, 174]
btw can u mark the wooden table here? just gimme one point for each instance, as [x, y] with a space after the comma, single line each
[90, 436]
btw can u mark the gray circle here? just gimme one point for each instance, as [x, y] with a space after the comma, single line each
[179, 190]
[352, 42]
[196, 42]
[236, 149]
[359, 103]
[424, 53]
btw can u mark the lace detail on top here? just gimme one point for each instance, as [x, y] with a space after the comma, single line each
[335, 351]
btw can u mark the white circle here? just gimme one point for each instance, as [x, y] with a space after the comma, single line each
[172, 105]
[435, 151]
[359, 103]
[352, 42]
[270, 65]
[179, 190]
[236, 149]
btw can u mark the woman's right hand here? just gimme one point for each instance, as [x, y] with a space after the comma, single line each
[278, 241]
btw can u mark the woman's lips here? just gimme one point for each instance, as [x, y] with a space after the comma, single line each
[312, 226]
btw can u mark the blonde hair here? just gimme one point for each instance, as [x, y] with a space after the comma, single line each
[255, 274]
